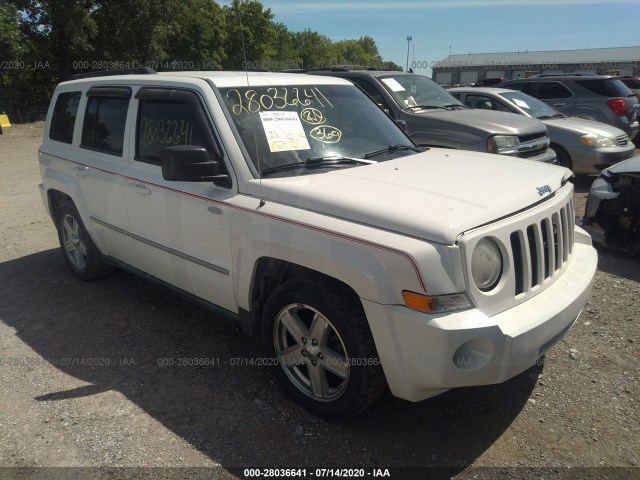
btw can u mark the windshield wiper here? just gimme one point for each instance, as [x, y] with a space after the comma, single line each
[392, 148]
[428, 107]
[314, 162]
[317, 162]
[547, 117]
[448, 106]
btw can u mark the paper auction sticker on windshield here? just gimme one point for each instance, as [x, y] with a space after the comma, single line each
[521, 103]
[284, 131]
[393, 84]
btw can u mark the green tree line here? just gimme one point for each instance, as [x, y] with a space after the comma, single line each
[43, 42]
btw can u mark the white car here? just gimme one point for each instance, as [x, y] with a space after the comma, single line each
[612, 214]
[294, 205]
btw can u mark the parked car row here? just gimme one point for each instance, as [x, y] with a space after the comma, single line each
[585, 146]
[434, 118]
[601, 98]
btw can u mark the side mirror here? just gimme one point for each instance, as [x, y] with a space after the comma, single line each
[190, 164]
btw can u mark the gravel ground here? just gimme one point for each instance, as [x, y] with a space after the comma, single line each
[84, 382]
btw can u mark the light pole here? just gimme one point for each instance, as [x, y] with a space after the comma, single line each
[409, 39]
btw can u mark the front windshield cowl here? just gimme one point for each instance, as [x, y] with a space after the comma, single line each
[286, 128]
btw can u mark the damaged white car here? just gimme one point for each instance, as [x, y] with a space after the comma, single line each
[612, 215]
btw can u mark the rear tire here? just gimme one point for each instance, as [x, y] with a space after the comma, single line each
[79, 251]
[325, 357]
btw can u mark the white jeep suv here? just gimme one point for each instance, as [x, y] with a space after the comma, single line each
[296, 206]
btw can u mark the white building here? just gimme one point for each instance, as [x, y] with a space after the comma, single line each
[472, 67]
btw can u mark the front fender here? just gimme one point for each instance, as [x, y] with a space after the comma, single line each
[376, 269]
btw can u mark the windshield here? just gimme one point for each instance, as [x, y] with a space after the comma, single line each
[300, 126]
[414, 91]
[532, 106]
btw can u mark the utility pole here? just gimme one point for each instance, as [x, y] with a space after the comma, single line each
[409, 38]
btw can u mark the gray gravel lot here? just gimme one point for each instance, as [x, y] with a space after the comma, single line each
[85, 380]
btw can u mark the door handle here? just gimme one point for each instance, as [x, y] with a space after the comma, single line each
[81, 171]
[559, 104]
[215, 210]
[141, 188]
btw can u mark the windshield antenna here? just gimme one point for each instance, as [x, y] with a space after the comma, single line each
[246, 72]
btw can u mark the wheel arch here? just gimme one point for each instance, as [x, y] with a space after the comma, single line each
[268, 274]
[560, 151]
[55, 198]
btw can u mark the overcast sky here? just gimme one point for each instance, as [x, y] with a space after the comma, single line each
[466, 26]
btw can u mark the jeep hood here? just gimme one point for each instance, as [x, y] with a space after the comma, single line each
[492, 123]
[434, 195]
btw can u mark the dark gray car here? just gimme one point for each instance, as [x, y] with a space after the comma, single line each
[433, 118]
[594, 97]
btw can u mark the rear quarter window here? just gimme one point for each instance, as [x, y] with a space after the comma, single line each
[631, 83]
[63, 119]
[606, 88]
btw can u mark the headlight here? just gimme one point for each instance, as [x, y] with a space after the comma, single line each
[503, 144]
[596, 140]
[486, 264]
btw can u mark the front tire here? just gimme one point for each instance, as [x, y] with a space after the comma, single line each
[563, 157]
[325, 354]
[80, 253]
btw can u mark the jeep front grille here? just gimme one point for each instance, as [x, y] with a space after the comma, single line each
[537, 246]
[541, 249]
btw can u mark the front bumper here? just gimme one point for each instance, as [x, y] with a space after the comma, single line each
[591, 161]
[548, 156]
[424, 355]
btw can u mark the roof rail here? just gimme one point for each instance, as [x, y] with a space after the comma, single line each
[108, 73]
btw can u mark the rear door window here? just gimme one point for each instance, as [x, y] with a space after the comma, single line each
[548, 90]
[516, 86]
[105, 119]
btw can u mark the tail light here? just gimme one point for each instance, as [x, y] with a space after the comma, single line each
[619, 107]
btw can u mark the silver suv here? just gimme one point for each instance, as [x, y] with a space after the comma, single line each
[433, 118]
[601, 98]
